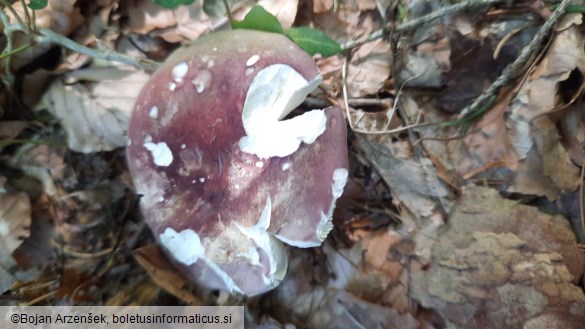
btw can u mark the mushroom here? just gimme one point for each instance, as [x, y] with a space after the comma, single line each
[226, 177]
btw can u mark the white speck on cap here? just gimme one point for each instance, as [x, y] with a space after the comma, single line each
[285, 166]
[339, 180]
[179, 71]
[202, 179]
[252, 60]
[202, 80]
[153, 113]
[184, 246]
[161, 153]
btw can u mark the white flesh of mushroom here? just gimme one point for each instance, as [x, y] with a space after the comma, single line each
[161, 154]
[274, 92]
[186, 247]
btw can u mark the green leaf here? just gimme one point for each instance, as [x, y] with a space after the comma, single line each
[38, 4]
[313, 41]
[172, 4]
[214, 8]
[259, 19]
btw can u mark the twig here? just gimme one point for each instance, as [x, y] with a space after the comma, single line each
[26, 16]
[514, 69]
[7, 77]
[113, 56]
[418, 22]
[228, 12]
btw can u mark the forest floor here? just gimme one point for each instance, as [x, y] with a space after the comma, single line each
[466, 134]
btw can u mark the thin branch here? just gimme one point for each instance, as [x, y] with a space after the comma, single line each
[26, 16]
[418, 22]
[12, 11]
[7, 77]
[516, 68]
[112, 56]
[228, 12]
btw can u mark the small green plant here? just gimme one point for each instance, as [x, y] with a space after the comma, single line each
[310, 40]
[171, 4]
[37, 4]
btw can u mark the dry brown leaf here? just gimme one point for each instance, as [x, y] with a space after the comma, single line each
[14, 220]
[500, 263]
[164, 274]
[530, 131]
[95, 115]
[321, 6]
[284, 10]
[180, 25]
[42, 162]
[145, 16]
[487, 143]
[368, 69]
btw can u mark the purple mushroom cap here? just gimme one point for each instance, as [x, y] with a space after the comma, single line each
[225, 178]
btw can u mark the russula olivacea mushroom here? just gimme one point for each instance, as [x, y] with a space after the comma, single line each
[225, 177]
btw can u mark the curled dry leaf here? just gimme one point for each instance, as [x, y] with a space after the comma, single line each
[369, 69]
[182, 24]
[95, 115]
[533, 132]
[15, 221]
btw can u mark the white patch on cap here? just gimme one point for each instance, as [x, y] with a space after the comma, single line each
[248, 71]
[202, 80]
[153, 113]
[184, 246]
[259, 164]
[285, 166]
[172, 86]
[201, 179]
[339, 180]
[325, 225]
[161, 154]
[179, 71]
[274, 92]
[252, 60]
[266, 242]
